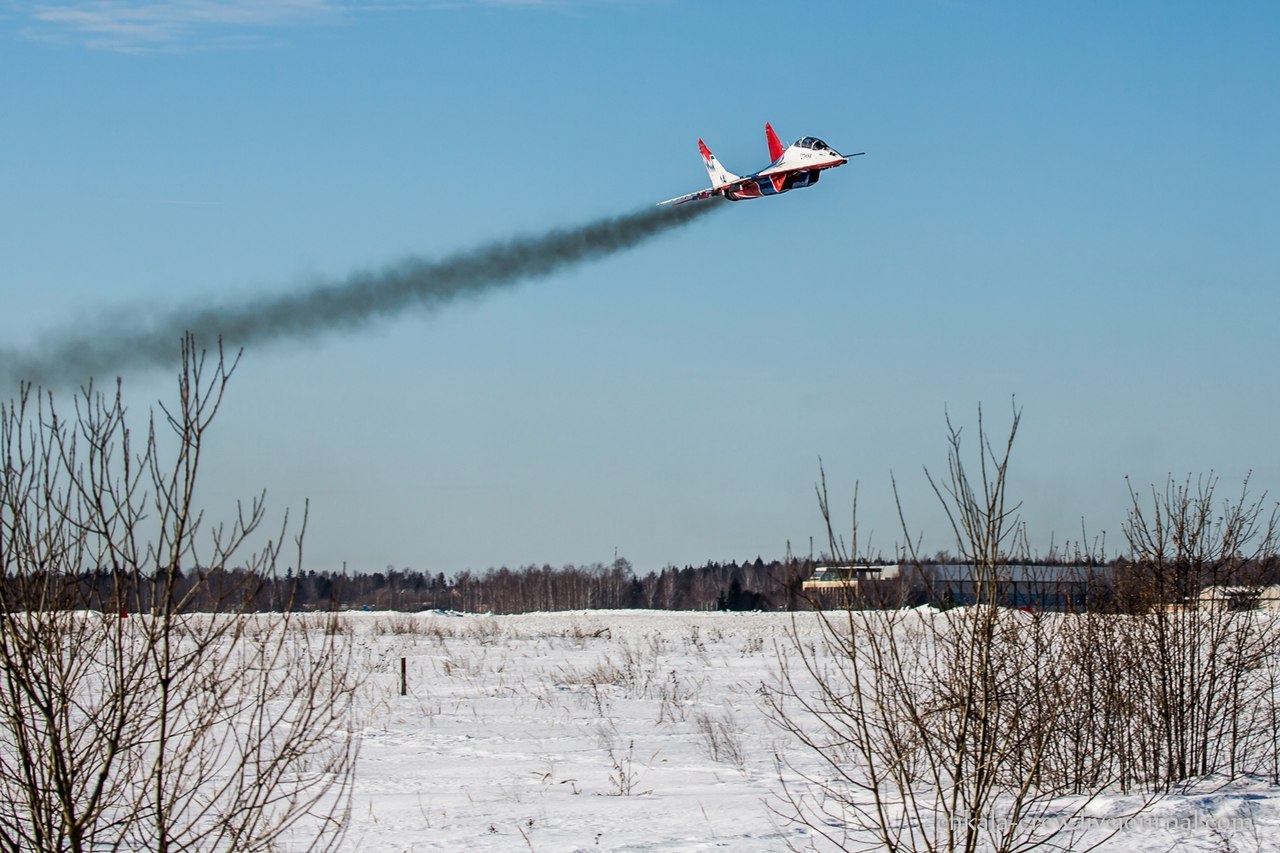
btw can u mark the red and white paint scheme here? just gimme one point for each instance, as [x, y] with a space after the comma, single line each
[794, 166]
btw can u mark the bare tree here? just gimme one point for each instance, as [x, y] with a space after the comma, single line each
[936, 730]
[1195, 571]
[128, 720]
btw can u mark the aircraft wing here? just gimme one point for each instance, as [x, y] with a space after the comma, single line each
[700, 195]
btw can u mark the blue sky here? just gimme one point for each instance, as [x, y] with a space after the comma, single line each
[1076, 204]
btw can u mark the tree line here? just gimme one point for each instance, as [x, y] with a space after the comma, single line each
[1130, 586]
[748, 585]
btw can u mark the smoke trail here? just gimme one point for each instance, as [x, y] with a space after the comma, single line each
[72, 355]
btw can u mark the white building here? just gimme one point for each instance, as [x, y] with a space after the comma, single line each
[1243, 597]
[849, 576]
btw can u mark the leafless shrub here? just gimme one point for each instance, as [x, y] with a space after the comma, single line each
[400, 624]
[1206, 702]
[635, 673]
[1270, 722]
[935, 730]
[485, 630]
[337, 625]
[674, 695]
[127, 719]
[722, 738]
[625, 772]
[440, 631]
[602, 672]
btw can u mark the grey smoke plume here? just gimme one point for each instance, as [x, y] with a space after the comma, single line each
[152, 340]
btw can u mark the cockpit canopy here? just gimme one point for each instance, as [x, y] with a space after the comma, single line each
[814, 143]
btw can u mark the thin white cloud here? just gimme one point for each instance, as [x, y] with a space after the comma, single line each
[172, 25]
[176, 26]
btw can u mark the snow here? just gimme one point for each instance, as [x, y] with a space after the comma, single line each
[632, 731]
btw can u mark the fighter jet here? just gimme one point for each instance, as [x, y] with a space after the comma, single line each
[794, 166]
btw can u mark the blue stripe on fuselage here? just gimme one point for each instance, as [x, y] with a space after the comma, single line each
[766, 186]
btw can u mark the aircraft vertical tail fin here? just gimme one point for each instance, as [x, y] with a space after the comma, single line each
[776, 148]
[720, 177]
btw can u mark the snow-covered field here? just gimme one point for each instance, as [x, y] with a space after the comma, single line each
[626, 730]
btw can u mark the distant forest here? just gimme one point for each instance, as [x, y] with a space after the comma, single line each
[755, 585]
[751, 585]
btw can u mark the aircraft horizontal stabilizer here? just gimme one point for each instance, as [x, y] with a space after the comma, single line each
[700, 195]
